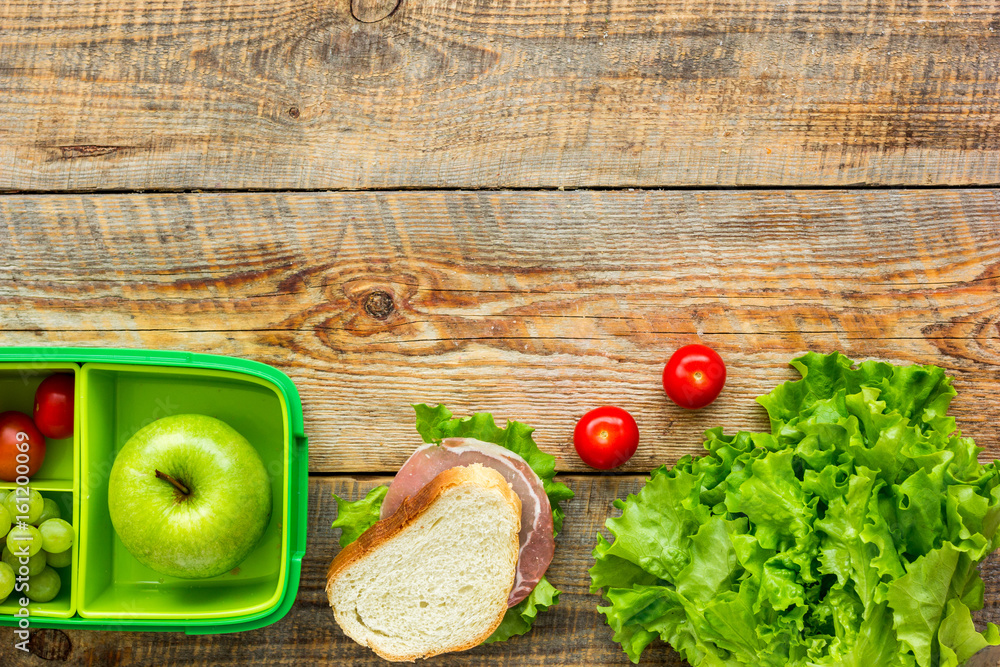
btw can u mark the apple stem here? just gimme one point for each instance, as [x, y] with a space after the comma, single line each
[177, 485]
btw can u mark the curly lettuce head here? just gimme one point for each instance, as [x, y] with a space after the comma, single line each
[848, 535]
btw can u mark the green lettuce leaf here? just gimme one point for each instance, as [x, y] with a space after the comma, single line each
[634, 612]
[874, 643]
[519, 618]
[958, 638]
[610, 571]
[848, 535]
[354, 518]
[918, 601]
[655, 528]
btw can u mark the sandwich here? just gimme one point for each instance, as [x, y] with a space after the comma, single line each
[453, 553]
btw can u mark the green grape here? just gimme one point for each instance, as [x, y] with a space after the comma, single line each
[3, 495]
[8, 502]
[36, 563]
[49, 511]
[34, 501]
[45, 586]
[61, 559]
[4, 521]
[6, 580]
[30, 540]
[57, 535]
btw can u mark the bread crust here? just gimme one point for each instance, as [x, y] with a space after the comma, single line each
[412, 508]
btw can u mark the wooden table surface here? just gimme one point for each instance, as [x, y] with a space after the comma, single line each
[520, 207]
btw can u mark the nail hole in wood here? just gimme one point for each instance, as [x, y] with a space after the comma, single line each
[373, 11]
[293, 112]
[379, 304]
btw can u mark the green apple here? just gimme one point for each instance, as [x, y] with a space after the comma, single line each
[189, 497]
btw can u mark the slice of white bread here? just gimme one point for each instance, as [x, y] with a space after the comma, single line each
[434, 576]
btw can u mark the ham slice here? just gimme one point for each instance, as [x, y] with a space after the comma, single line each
[537, 543]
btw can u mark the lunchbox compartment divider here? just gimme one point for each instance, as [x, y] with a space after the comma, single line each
[62, 487]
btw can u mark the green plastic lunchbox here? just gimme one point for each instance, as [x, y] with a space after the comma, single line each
[117, 393]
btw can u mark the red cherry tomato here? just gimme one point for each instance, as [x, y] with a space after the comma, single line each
[606, 437]
[54, 406]
[18, 436]
[694, 376]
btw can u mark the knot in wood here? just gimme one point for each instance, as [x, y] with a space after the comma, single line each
[373, 11]
[50, 644]
[379, 304]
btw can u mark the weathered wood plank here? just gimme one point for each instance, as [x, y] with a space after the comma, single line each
[572, 633]
[317, 94]
[533, 306]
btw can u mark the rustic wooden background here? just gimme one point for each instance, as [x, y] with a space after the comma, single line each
[174, 174]
[291, 94]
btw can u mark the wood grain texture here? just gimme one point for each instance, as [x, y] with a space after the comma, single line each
[293, 94]
[532, 306]
[572, 633]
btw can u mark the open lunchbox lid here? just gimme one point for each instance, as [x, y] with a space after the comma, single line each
[117, 392]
